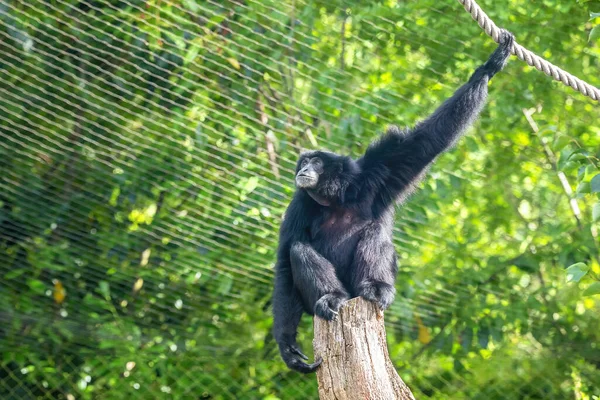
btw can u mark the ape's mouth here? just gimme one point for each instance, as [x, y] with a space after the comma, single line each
[305, 181]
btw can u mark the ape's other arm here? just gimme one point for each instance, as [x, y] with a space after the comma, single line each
[321, 289]
[287, 311]
[398, 159]
[302, 276]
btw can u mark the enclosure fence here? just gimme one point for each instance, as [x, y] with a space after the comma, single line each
[147, 151]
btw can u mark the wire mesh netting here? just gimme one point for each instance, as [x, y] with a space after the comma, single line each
[146, 158]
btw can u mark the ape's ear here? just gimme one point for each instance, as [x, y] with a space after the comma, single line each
[349, 166]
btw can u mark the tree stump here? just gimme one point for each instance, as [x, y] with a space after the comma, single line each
[356, 362]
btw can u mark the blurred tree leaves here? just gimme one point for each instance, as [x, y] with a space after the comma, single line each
[148, 150]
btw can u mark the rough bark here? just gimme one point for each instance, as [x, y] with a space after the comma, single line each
[356, 363]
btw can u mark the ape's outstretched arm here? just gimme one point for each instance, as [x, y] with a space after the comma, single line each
[393, 164]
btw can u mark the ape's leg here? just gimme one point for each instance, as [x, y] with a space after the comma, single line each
[317, 282]
[374, 267]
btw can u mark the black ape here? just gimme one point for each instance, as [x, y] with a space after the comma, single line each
[336, 238]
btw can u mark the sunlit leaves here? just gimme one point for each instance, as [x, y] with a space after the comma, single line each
[594, 34]
[192, 52]
[15, 273]
[114, 196]
[424, 336]
[483, 336]
[235, 63]
[59, 292]
[104, 289]
[191, 5]
[36, 286]
[138, 284]
[592, 290]
[142, 216]
[225, 283]
[577, 271]
[560, 142]
[145, 257]
[596, 212]
[595, 184]
[248, 186]
[173, 122]
[466, 338]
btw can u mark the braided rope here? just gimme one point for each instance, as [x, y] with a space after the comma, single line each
[528, 56]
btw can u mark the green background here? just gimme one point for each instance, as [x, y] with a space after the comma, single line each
[146, 158]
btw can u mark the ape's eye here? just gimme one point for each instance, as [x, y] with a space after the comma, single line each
[318, 162]
[304, 162]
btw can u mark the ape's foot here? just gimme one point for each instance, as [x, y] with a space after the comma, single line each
[378, 292]
[327, 306]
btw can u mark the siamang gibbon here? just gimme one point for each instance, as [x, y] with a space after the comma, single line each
[335, 240]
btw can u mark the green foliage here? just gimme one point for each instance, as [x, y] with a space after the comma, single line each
[595, 184]
[595, 31]
[147, 151]
[577, 271]
[593, 289]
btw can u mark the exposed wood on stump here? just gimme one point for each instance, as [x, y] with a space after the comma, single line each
[356, 363]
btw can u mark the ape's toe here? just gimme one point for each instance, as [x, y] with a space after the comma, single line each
[327, 307]
[378, 292]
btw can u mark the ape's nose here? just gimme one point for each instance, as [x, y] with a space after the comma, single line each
[304, 172]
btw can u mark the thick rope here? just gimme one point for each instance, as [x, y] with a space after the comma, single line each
[528, 56]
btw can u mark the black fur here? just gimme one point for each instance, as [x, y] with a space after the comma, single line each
[336, 239]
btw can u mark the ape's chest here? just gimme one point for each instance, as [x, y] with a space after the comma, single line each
[338, 220]
[335, 235]
[337, 223]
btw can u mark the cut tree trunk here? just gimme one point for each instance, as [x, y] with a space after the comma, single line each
[356, 363]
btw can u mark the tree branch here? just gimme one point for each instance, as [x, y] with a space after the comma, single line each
[343, 33]
[356, 364]
[552, 160]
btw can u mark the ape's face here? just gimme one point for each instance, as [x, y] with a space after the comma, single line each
[321, 174]
[310, 169]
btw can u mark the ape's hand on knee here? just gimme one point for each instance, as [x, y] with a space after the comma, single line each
[378, 292]
[327, 306]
